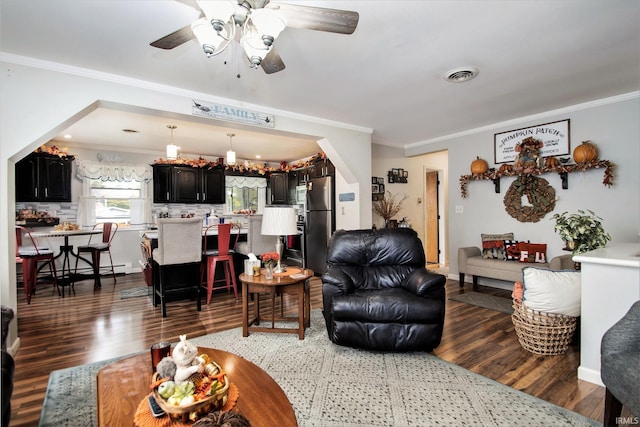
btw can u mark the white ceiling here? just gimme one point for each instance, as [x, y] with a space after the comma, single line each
[533, 56]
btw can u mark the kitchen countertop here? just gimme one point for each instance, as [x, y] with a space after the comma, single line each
[623, 255]
[153, 234]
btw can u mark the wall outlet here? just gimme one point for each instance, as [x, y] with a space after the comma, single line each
[459, 209]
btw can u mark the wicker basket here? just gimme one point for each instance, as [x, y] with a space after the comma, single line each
[197, 409]
[542, 333]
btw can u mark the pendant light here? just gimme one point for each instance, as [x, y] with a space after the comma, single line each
[172, 149]
[231, 155]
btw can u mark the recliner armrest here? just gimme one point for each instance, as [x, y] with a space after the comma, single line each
[339, 279]
[423, 283]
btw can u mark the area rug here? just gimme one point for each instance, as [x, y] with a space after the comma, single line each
[134, 292]
[333, 386]
[491, 302]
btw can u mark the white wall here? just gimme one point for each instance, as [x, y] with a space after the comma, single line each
[385, 158]
[612, 124]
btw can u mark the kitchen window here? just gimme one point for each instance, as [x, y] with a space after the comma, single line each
[245, 193]
[113, 192]
[113, 199]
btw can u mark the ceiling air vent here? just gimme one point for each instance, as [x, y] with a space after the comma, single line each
[460, 75]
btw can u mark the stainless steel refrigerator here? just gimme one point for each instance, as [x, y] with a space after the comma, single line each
[320, 222]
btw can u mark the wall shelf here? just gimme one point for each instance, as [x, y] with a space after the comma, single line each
[562, 169]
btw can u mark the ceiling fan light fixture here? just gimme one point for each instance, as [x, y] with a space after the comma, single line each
[254, 48]
[213, 42]
[461, 74]
[215, 10]
[268, 24]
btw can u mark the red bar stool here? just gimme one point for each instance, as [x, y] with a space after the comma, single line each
[29, 257]
[224, 255]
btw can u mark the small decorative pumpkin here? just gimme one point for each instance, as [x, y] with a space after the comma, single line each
[585, 152]
[551, 162]
[505, 168]
[479, 166]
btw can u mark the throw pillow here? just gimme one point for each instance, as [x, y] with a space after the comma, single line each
[552, 291]
[503, 236]
[512, 250]
[493, 249]
[533, 252]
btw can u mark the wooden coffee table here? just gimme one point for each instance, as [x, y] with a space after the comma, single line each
[123, 384]
[280, 284]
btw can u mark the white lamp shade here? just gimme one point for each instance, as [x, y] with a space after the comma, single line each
[254, 47]
[279, 221]
[172, 151]
[217, 9]
[212, 43]
[231, 157]
[268, 22]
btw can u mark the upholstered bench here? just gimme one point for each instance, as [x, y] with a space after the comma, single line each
[470, 261]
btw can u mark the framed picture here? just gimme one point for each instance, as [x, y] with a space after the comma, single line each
[381, 188]
[554, 136]
[396, 172]
[405, 174]
[375, 188]
[374, 180]
[380, 180]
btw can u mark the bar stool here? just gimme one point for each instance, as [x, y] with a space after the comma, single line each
[179, 244]
[29, 257]
[109, 230]
[223, 255]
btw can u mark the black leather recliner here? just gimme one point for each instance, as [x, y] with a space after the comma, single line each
[377, 293]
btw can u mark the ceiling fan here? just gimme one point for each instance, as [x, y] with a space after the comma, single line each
[259, 22]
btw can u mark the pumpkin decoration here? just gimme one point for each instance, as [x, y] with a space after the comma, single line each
[505, 168]
[551, 162]
[585, 152]
[479, 166]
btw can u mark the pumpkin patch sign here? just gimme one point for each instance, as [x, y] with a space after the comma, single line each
[554, 136]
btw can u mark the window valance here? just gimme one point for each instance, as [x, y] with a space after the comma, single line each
[113, 171]
[245, 181]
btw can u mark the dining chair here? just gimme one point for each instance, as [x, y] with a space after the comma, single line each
[222, 254]
[109, 230]
[179, 244]
[29, 256]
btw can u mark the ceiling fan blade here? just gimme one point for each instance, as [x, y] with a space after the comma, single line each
[272, 63]
[174, 39]
[318, 18]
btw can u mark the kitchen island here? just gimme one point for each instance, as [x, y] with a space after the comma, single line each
[610, 285]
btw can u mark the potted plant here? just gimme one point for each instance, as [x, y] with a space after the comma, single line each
[581, 231]
[389, 206]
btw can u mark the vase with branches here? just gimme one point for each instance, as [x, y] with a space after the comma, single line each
[389, 206]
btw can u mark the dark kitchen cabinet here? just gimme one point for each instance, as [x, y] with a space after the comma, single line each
[43, 178]
[279, 183]
[292, 183]
[213, 189]
[162, 191]
[186, 184]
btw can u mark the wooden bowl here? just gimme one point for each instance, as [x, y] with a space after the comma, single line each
[196, 409]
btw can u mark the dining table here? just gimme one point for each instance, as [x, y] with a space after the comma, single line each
[66, 252]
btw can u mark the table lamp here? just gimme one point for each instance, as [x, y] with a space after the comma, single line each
[279, 221]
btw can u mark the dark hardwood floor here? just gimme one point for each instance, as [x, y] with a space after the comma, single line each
[93, 325]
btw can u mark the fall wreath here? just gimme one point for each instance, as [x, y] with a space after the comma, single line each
[540, 195]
